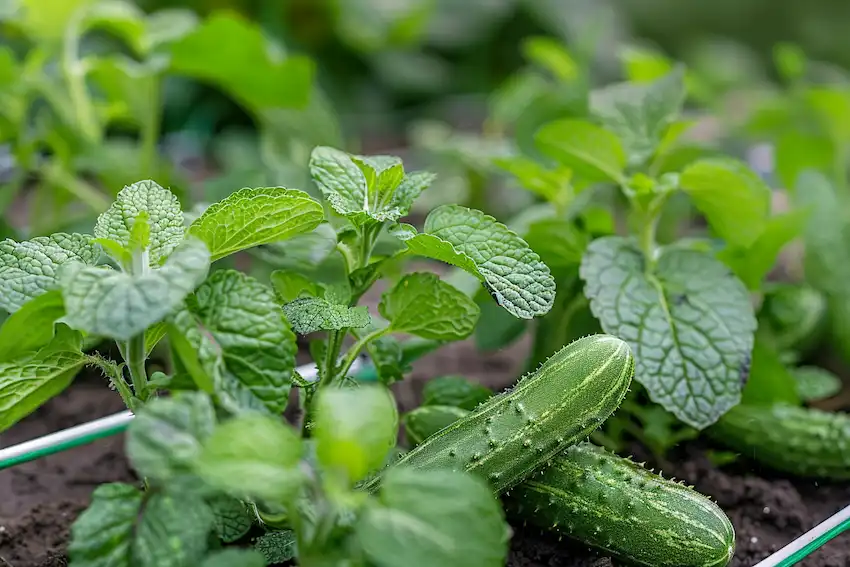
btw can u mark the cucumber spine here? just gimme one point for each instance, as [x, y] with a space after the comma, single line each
[512, 434]
[802, 441]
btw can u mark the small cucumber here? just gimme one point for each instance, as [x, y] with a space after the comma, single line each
[616, 505]
[510, 435]
[801, 441]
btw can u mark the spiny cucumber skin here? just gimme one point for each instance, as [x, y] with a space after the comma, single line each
[509, 436]
[802, 441]
[618, 506]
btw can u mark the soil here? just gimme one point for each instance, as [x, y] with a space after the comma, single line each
[39, 500]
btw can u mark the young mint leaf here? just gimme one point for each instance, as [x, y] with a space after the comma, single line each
[31, 379]
[173, 532]
[794, 317]
[643, 65]
[639, 113]
[252, 456]
[167, 435]
[32, 326]
[311, 314]
[231, 518]
[252, 217]
[354, 429]
[235, 558]
[29, 268]
[734, 200]
[422, 304]
[815, 383]
[153, 335]
[164, 215]
[688, 320]
[454, 391]
[770, 382]
[290, 286]
[476, 243]
[119, 305]
[277, 547]
[550, 184]
[387, 356]
[140, 233]
[434, 519]
[593, 153]
[424, 421]
[365, 189]
[752, 264]
[125, 528]
[234, 338]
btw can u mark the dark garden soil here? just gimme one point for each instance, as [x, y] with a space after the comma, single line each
[39, 500]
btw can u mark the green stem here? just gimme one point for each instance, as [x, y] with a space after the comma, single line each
[136, 364]
[75, 76]
[352, 353]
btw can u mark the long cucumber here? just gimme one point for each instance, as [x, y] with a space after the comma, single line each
[613, 504]
[802, 441]
[512, 434]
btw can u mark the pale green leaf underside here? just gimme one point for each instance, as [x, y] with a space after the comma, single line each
[434, 519]
[242, 340]
[163, 209]
[310, 314]
[120, 530]
[476, 243]
[421, 304]
[734, 200]
[29, 381]
[118, 305]
[276, 547]
[30, 268]
[252, 217]
[690, 324]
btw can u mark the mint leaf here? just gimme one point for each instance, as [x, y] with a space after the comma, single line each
[752, 264]
[252, 217]
[354, 429]
[290, 286]
[29, 268]
[126, 528]
[815, 383]
[639, 113]
[422, 304]
[173, 532]
[793, 317]
[734, 200]
[388, 358]
[365, 189]
[550, 184]
[434, 519]
[688, 320]
[476, 243]
[252, 456]
[311, 314]
[29, 380]
[32, 326]
[559, 243]
[276, 547]
[164, 215]
[796, 151]
[167, 435]
[593, 153]
[119, 305]
[235, 558]
[234, 338]
[231, 518]
[454, 391]
[103, 534]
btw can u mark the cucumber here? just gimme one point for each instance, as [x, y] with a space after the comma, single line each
[512, 434]
[614, 504]
[802, 441]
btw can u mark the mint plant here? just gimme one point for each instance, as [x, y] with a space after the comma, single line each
[218, 446]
